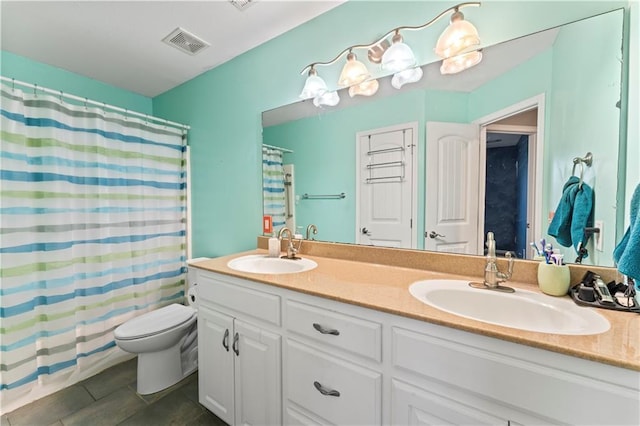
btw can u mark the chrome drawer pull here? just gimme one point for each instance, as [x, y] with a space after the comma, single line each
[225, 340]
[325, 391]
[236, 337]
[323, 330]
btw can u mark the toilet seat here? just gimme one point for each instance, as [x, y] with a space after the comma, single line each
[155, 322]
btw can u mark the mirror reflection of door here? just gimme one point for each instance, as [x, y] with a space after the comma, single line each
[481, 178]
[385, 190]
[451, 199]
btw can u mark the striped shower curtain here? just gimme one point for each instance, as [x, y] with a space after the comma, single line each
[273, 193]
[92, 233]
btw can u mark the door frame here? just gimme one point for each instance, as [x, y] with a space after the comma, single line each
[536, 155]
[413, 125]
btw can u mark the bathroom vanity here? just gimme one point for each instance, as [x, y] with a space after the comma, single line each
[345, 343]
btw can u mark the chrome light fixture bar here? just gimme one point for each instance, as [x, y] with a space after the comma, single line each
[458, 41]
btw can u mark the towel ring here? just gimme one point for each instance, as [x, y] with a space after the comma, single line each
[587, 159]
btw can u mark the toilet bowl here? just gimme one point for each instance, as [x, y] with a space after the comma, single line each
[165, 341]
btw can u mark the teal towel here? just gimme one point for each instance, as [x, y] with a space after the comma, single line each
[560, 226]
[627, 252]
[582, 216]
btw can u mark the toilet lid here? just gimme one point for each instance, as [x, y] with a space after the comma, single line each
[155, 322]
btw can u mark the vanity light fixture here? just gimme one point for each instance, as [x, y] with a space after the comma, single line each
[327, 99]
[461, 62]
[454, 47]
[399, 56]
[314, 86]
[458, 38]
[401, 78]
[366, 88]
[353, 72]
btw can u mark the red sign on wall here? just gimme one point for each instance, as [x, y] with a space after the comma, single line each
[267, 224]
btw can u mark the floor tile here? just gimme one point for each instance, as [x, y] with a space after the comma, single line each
[207, 419]
[51, 408]
[174, 409]
[110, 410]
[190, 388]
[116, 377]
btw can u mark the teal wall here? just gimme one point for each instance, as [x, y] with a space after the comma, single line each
[28, 71]
[585, 91]
[224, 105]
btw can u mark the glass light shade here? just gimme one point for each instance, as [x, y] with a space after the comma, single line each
[327, 99]
[314, 86]
[398, 57]
[353, 72]
[366, 88]
[461, 62]
[401, 78]
[459, 36]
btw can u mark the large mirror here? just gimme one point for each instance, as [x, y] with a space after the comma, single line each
[370, 169]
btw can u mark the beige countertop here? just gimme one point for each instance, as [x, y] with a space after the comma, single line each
[385, 288]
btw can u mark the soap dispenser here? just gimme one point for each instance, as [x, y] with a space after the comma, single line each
[274, 246]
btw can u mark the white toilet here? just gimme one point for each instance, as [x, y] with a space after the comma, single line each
[165, 340]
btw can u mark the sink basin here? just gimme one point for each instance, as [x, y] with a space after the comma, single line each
[524, 310]
[261, 264]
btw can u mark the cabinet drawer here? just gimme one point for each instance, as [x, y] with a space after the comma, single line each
[341, 331]
[360, 389]
[244, 301]
[414, 406]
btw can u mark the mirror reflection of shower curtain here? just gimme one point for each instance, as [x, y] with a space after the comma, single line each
[273, 188]
[289, 194]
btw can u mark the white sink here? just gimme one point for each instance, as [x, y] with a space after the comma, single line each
[523, 309]
[261, 264]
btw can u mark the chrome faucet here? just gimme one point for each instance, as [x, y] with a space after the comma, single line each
[492, 275]
[291, 249]
[310, 228]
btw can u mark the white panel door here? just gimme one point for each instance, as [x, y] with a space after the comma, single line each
[452, 177]
[385, 187]
[215, 369]
[258, 386]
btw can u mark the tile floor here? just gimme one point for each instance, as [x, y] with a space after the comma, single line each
[110, 398]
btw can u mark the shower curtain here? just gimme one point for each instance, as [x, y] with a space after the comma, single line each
[92, 233]
[273, 193]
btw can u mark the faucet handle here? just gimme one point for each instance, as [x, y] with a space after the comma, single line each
[510, 258]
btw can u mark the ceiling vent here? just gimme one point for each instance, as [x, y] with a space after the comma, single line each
[185, 41]
[242, 4]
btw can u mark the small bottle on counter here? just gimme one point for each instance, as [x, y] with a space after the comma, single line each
[274, 247]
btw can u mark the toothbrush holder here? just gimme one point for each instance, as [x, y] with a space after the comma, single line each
[553, 279]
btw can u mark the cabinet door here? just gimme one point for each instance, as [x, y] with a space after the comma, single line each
[257, 366]
[414, 406]
[215, 359]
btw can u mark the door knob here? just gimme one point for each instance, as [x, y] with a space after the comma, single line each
[434, 234]
[365, 231]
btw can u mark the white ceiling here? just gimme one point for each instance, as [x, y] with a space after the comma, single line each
[120, 42]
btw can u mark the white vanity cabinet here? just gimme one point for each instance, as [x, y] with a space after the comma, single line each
[311, 360]
[239, 356]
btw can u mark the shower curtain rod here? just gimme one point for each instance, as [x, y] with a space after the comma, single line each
[95, 103]
[278, 148]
